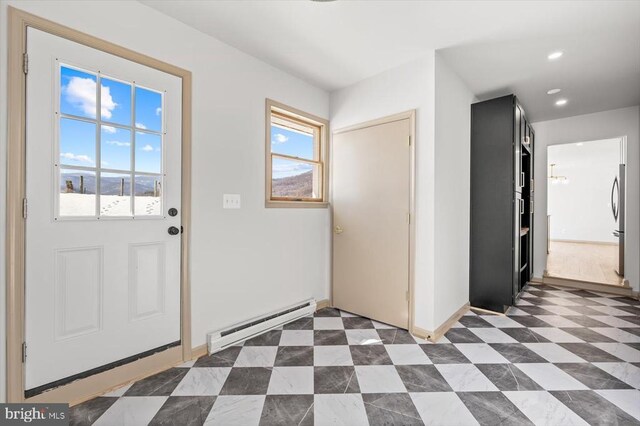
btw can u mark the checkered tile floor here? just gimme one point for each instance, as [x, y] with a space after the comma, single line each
[561, 357]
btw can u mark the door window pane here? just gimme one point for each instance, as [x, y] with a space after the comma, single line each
[148, 109]
[290, 142]
[77, 193]
[107, 172]
[77, 143]
[294, 179]
[77, 92]
[148, 152]
[115, 151]
[115, 194]
[148, 192]
[115, 101]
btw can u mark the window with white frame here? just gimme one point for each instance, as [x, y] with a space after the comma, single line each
[296, 157]
[109, 147]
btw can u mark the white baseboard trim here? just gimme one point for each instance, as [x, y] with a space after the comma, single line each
[434, 336]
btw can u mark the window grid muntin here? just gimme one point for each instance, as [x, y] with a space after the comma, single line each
[99, 122]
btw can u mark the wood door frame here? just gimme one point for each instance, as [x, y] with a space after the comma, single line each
[80, 390]
[411, 116]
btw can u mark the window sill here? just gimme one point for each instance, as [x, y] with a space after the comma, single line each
[296, 204]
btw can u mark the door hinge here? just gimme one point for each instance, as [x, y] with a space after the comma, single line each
[408, 140]
[25, 63]
[24, 352]
[409, 218]
[24, 208]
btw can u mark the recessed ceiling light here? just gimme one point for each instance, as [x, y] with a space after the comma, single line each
[579, 144]
[561, 102]
[553, 91]
[555, 55]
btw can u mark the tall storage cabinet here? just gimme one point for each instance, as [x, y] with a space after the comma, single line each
[502, 193]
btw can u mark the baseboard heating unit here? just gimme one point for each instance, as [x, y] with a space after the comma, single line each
[218, 340]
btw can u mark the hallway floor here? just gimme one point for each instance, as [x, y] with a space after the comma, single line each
[584, 262]
[561, 357]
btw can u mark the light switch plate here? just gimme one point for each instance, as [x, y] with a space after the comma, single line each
[231, 201]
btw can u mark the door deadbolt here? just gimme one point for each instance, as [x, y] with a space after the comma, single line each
[173, 211]
[173, 230]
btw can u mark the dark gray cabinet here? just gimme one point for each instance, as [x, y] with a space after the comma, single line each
[502, 188]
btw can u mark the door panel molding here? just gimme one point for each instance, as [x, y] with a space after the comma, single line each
[143, 277]
[88, 287]
[411, 116]
[18, 22]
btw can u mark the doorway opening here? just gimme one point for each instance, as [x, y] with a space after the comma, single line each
[585, 211]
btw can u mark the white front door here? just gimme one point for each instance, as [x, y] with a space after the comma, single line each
[103, 168]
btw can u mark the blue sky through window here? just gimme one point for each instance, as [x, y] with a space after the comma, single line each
[78, 138]
[116, 148]
[77, 93]
[295, 144]
[116, 102]
[148, 109]
[284, 141]
[77, 143]
[148, 152]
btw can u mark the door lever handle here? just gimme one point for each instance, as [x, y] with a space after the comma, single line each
[338, 229]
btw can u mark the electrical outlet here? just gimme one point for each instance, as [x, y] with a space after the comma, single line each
[231, 201]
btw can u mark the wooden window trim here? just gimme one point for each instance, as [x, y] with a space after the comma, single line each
[299, 121]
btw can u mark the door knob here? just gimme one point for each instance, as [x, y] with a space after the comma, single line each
[173, 211]
[338, 229]
[173, 230]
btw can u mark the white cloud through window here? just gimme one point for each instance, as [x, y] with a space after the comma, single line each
[76, 157]
[147, 148]
[109, 129]
[81, 93]
[279, 138]
[158, 111]
[118, 143]
[140, 126]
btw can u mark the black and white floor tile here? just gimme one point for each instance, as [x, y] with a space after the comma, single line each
[560, 357]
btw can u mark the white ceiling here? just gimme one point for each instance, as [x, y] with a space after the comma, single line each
[496, 46]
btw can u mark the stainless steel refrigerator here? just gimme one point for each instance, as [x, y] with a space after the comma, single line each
[617, 208]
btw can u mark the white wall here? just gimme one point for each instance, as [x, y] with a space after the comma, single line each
[580, 205]
[589, 127]
[442, 104]
[453, 191]
[244, 262]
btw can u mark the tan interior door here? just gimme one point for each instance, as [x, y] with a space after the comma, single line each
[371, 205]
